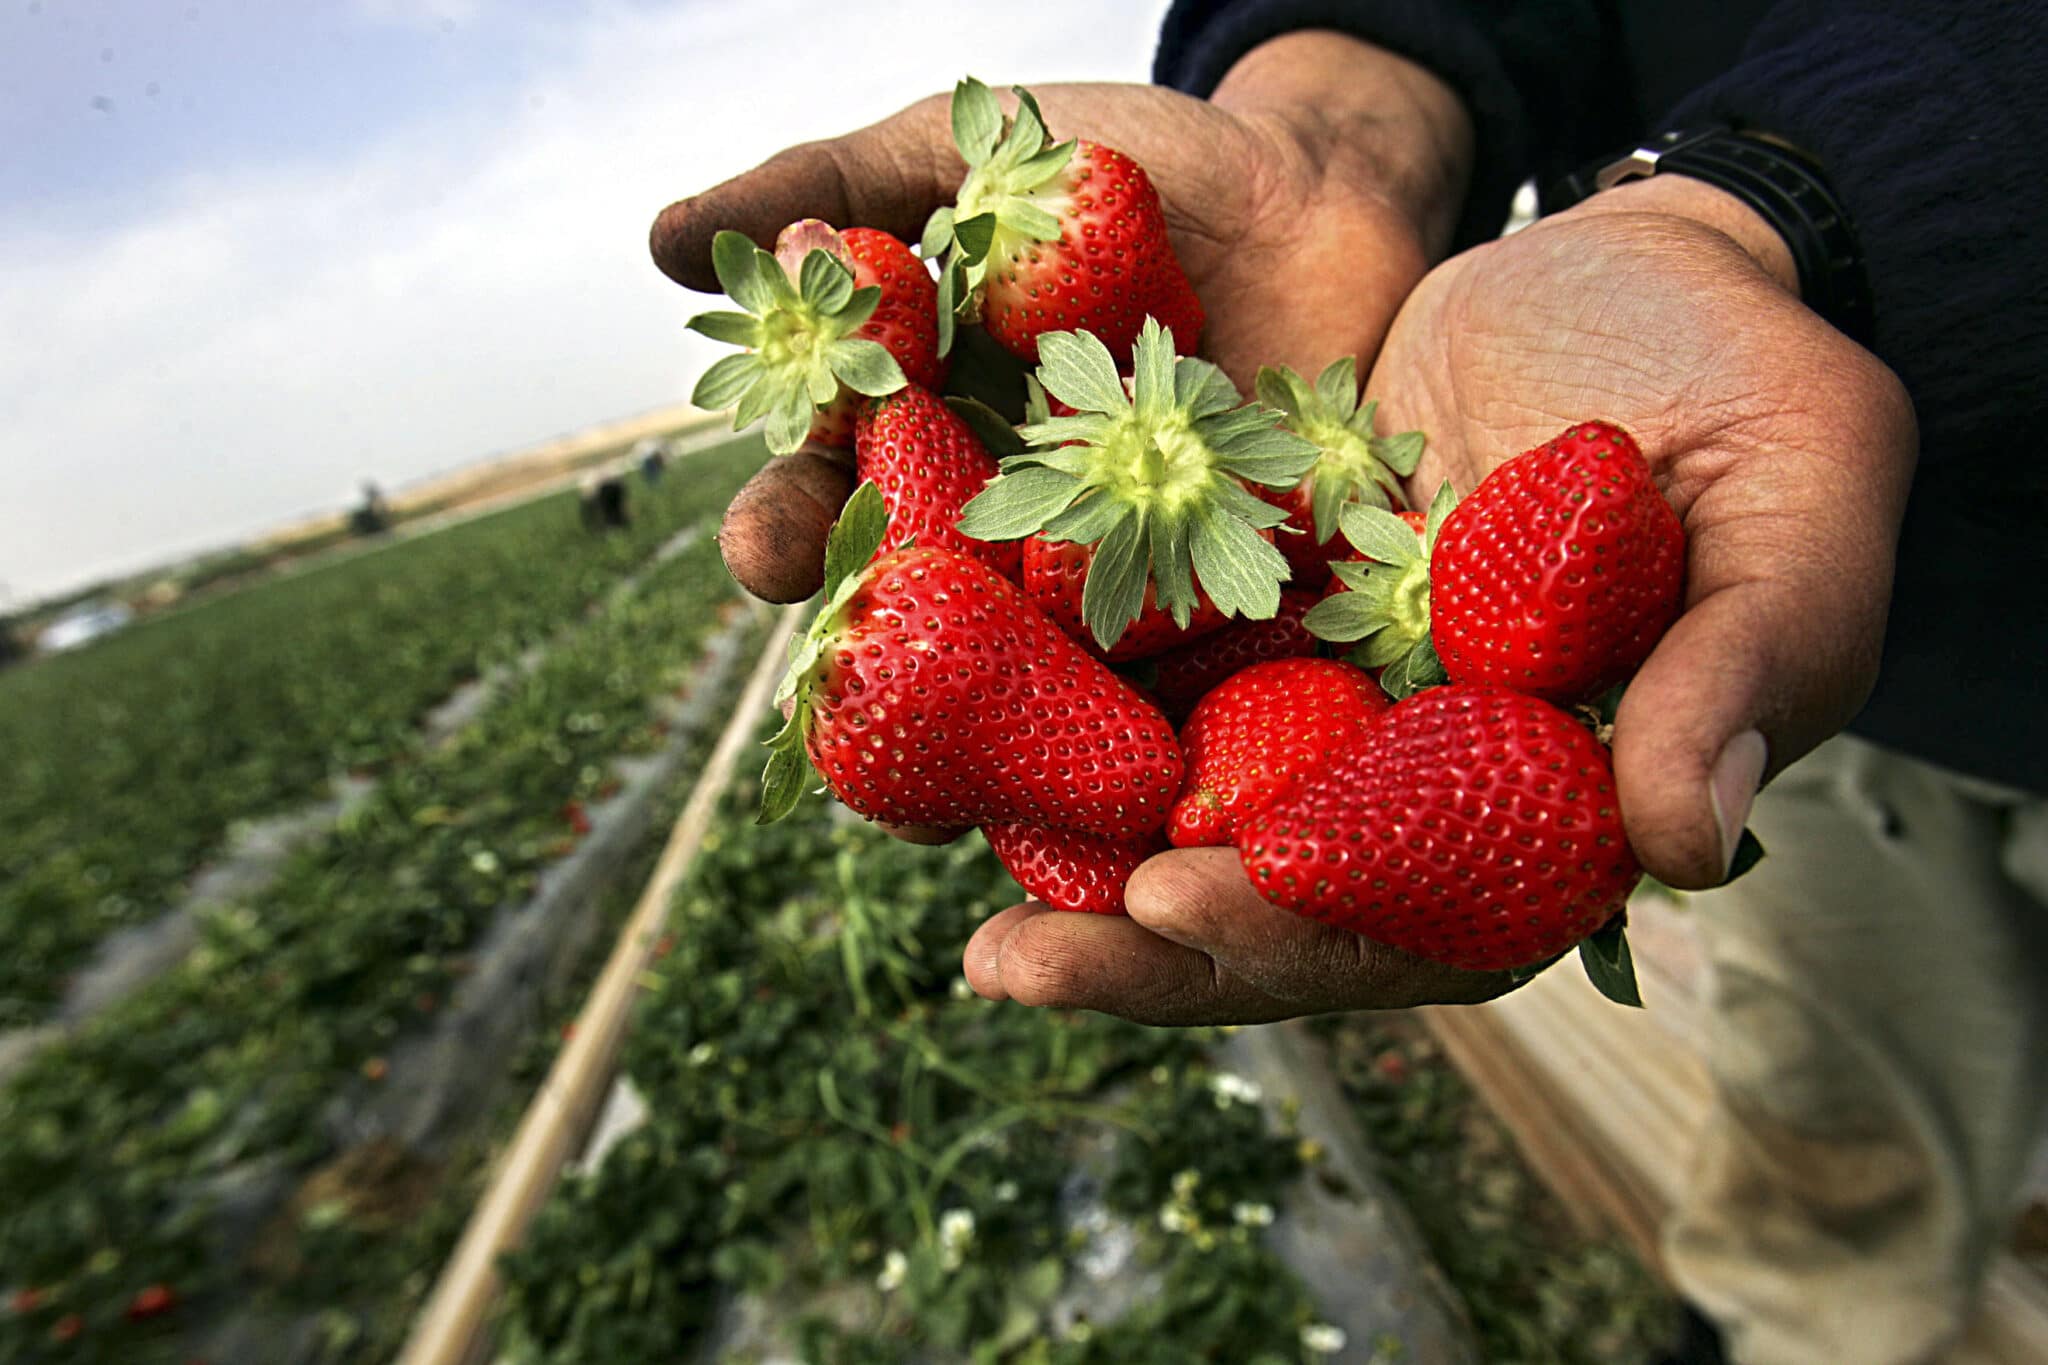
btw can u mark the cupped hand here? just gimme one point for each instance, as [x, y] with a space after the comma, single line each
[1787, 450]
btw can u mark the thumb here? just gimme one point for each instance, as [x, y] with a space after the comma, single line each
[889, 175]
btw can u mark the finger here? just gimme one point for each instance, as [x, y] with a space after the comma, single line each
[1035, 955]
[773, 535]
[1201, 899]
[889, 175]
[1789, 577]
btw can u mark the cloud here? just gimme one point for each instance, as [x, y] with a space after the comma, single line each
[270, 335]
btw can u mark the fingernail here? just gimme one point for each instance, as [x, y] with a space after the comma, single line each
[1737, 774]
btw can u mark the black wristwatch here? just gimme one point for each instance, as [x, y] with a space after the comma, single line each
[1780, 182]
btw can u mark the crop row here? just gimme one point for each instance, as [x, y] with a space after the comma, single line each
[905, 1172]
[123, 1149]
[128, 762]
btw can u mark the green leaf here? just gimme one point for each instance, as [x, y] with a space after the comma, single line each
[865, 366]
[1021, 215]
[1018, 504]
[1235, 566]
[975, 235]
[950, 280]
[1173, 578]
[1610, 966]
[857, 309]
[1352, 573]
[1399, 453]
[736, 329]
[728, 378]
[1268, 455]
[1414, 671]
[977, 121]
[1089, 427]
[1027, 130]
[1440, 507]
[1325, 500]
[824, 282]
[862, 526]
[1041, 167]
[938, 234]
[1749, 851]
[1077, 369]
[1152, 374]
[1275, 390]
[1379, 535]
[790, 420]
[823, 385]
[1202, 389]
[1341, 618]
[1088, 520]
[769, 272]
[758, 401]
[1114, 592]
[732, 259]
[1337, 386]
[996, 435]
[783, 781]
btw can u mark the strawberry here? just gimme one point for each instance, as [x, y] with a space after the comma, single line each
[1182, 676]
[67, 1328]
[1556, 576]
[1473, 826]
[929, 692]
[830, 317]
[1355, 464]
[153, 1301]
[1154, 479]
[1055, 238]
[25, 1300]
[1071, 871]
[1055, 574]
[927, 462]
[1258, 736]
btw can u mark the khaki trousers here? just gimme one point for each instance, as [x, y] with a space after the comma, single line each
[1879, 1048]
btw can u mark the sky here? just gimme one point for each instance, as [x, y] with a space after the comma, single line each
[256, 252]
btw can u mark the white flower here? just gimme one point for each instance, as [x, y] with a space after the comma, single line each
[1006, 1193]
[1233, 1088]
[1175, 1218]
[956, 1233]
[894, 1266]
[1253, 1215]
[961, 990]
[702, 1054]
[1323, 1338]
[1184, 1182]
[483, 862]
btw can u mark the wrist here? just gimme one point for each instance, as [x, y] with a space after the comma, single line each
[1366, 115]
[1710, 206]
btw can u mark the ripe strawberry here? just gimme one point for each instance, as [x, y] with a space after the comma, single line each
[1473, 826]
[929, 692]
[1355, 463]
[928, 463]
[1556, 576]
[1154, 479]
[1055, 574]
[1052, 238]
[67, 1328]
[1071, 871]
[1257, 737]
[830, 317]
[1182, 676]
[25, 1300]
[150, 1302]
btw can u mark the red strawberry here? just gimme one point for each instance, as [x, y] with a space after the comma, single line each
[151, 1302]
[1356, 464]
[1556, 576]
[929, 692]
[928, 463]
[830, 317]
[1473, 826]
[67, 1327]
[1257, 737]
[1055, 238]
[1151, 476]
[1560, 572]
[25, 1300]
[1055, 573]
[1070, 871]
[1183, 675]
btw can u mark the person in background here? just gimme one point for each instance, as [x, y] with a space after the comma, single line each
[1792, 247]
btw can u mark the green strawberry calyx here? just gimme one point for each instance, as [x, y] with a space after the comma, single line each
[862, 526]
[1153, 478]
[802, 313]
[1357, 464]
[1386, 611]
[1008, 162]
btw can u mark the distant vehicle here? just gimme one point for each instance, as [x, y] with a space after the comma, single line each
[82, 625]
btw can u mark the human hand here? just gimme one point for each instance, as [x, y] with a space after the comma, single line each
[1305, 199]
[1668, 307]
